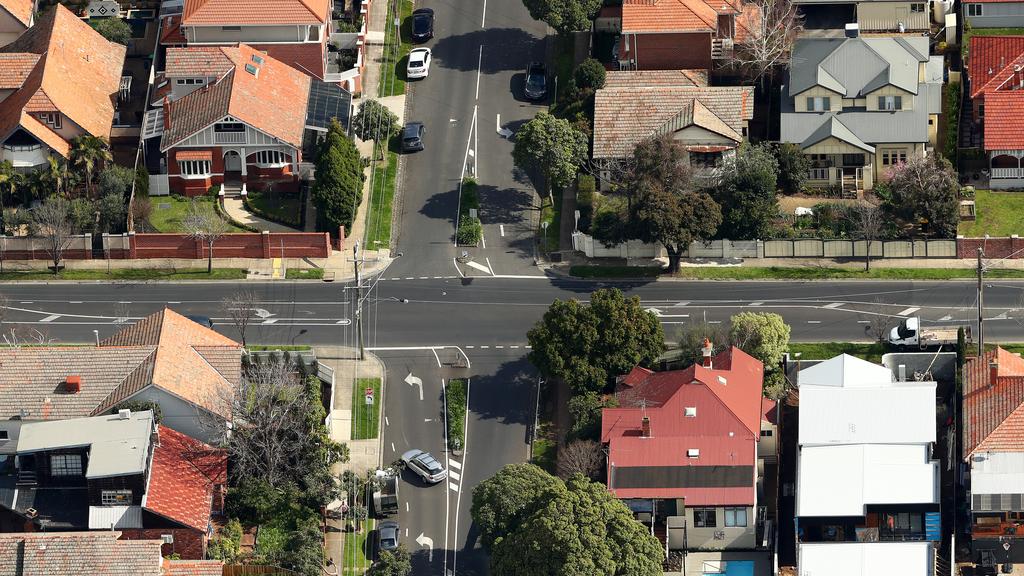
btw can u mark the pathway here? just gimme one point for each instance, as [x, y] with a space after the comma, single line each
[235, 208]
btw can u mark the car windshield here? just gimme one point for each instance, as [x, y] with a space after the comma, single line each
[411, 133]
[388, 543]
[904, 331]
[535, 80]
[420, 24]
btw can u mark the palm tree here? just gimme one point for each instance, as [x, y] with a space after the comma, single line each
[55, 172]
[88, 153]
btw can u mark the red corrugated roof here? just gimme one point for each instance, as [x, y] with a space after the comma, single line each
[687, 16]
[994, 414]
[183, 477]
[768, 412]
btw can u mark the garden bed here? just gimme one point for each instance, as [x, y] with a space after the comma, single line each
[281, 207]
[455, 394]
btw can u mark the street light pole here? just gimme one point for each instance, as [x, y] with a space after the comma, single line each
[359, 301]
[981, 305]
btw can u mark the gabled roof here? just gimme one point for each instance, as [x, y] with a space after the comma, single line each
[78, 73]
[854, 67]
[651, 78]
[100, 553]
[685, 15]
[183, 477]
[15, 68]
[20, 9]
[993, 411]
[239, 93]
[196, 61]
[625, 115]
[991, 61]
[254, 12]
[845, 371]
[1004, 120]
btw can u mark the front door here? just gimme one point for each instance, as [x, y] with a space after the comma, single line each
[232, 161]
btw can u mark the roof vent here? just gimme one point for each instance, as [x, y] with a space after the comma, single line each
[693, 453]
[722, 380]
[252, 70]
[645, 427]
[124, 414]
[73, 384]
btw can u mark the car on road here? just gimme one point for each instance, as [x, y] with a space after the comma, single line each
[536, 87]
[419, 63]
[387, 536]
[412, 136]
[422, 24]
[424, 465]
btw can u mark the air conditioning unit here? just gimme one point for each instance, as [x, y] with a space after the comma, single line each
[167, 538]
[719, 534]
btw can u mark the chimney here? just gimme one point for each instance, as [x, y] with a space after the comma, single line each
[852, 30]
[705, 352]
[73, 384]
[645, 427]
[993, 372]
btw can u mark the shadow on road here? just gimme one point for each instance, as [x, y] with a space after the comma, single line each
[504, 205]
[443, 205]
[515, 380]
[504, 49]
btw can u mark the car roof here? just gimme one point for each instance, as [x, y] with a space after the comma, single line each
[410, 126]
[426, 459]
[423, 11]
[388, 524]
[410, 454]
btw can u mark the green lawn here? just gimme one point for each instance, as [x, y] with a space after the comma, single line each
[615, 271]
[130, 274]
[392, 78]
[826, 350]
[358, 550]
[544, 454]
[564, 60]
[282, 207]
[304, 274]
[382, 196]
[998, 214]
[551, 212]
[365, 417]
[168, 211]
[805, 273]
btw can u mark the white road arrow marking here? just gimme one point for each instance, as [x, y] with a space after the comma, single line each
[503, 132]
[429, 543]
[414, 381]
[654, 311]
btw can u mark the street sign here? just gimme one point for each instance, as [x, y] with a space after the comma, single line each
[369, 396]
[472, 212]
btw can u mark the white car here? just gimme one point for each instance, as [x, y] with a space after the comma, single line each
[419, 63]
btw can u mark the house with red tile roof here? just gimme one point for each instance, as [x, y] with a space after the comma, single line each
[94, 553]
[60, 79]
[683, 450]
[682, 34]
[118, 471]
[996, 72]
[16, 16]
[187, 369]
[993, 448]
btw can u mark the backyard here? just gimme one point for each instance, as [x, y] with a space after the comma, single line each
[997, 214]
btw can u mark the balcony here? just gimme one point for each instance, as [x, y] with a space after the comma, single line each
[229, 137]
[25, 156]
[997, 528]
[1007, 173]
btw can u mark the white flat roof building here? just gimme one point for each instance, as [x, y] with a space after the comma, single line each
[866, 559]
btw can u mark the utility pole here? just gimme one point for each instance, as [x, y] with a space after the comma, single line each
[356, 261]
[981, 305]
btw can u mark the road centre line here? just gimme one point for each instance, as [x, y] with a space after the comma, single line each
[484, 15]
[386, 421]
[834, 305]
[501, 228]
[50, 318]
[479, 65]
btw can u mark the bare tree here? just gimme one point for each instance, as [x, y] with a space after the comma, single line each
[580, 457]
[241, 307]
[772, 26]
[868, 221]
[205, 225]
[52, 221]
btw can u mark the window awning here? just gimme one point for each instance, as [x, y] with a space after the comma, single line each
[182, 155]
[696, 148]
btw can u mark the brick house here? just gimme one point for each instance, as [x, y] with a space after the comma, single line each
[16, 16]
[682, 34]
[93, 553]
[683, 451]
[113, 472]
[996, 79]
[58, 80]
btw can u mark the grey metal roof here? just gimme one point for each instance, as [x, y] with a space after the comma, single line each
[870, 128]
[833, 127]
[9, 432]
[117, 446]
[854, 67]
[115, 517]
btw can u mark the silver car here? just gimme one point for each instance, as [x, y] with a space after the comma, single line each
[387, 535]
[425, 466]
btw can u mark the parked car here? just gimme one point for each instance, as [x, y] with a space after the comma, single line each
[419, 63]
[424, 465]
[387, 536]
[422, 24]
[536, 81]
[412, 136]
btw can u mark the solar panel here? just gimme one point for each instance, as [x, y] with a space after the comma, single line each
[327, 101]
[251, 69]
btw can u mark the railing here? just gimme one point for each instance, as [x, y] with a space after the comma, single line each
[818, 174]
[1007, 173]
[229, 137]
[1002, 529]
[25, 148]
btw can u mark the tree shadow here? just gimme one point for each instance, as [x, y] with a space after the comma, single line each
[504, 49]
[442, 205]
[517, 380]
[505, 205]
[473, 559]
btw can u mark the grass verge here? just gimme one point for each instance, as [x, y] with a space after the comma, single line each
[392, 78]
[825, 350]
[169, 211]
[780, 273]
[382, 197]
[455, 404]
[564, 60]
[358, 549]
[365, 416]
[304, 274]
[615, 271]
[544, 452]
[551, 212]
[129, 274]
[283, 208]
[998, 214]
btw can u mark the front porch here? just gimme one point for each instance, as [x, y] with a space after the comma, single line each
[852, 173]
[1006, 169]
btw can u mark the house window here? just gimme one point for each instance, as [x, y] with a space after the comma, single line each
[981, 110]
[194, 167]
[704, 159]
[690, 412]
[705, 518]
[766, 433]
[893, 157]
[271, 158]
[4, 435]
[735, 517]
[890, 103]
[819, 103]
[313, 35]
[116, 497]
[917, 7]
[190, 81]
[974, 10]
[229, 127]
[231, 28]
[66, 465]
[51, 119]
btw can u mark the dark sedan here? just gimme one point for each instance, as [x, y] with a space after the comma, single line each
[412, 137]
[422, 24]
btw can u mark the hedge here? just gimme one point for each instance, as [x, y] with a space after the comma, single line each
[952, 120]
[586, 187]
[455, 399]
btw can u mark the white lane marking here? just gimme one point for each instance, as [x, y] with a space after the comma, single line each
[484, 15]
[470, 347]
[484, 347]
[50, 318]
[684, 303]
[503, 132]
[499, 346]
[393, 447]
[74, 301]
[513, 347]
[479, 267]
[457, 269]
[483, 241]
[755, 304]
[386, 421]
[453, 486]
[945, 318]
[406, 530]
[343, 322]
[834, 305]
[453, 475]
[527, 347]
[396, 278]
[406, 505]
[272, 320]
[863, 321]
[711, 322]
[31, 302]
[479, 65]
[424, 277]
[465, 456]
[814, 321]
[436, 357]
[454, 464]
[501, 228]
[410, 277]
[488, 260]
[908, 311]
[428, 419]
[174, 301]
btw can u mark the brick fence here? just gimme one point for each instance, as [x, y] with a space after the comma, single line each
[1012, 247]
[142, 246]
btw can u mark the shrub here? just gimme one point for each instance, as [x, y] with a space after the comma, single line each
[586, 187]
[139, 406]
[227, 545]
[142, 180]
[952, 119]
[455, 401]
[470, 231]
[114, 30]
[253, 500]
[590, 74]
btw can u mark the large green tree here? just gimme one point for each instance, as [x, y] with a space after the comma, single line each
[338, 188]
[587, 344]
[564, 15]
[397, 562]
[674, 217]
[925, 190]
[552, 146]
[763, 335]
[578, 529]
[374, 121]
[114, 29]
[747, 194]
[501, 503]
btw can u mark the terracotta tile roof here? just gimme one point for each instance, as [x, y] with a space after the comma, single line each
[627, 115]
[98, 553]
[182, 478]
[993, 412]
[307, 57]
[685, 15]
[651, 78]
[247, 97]
[81, 72]
[170, 31]
[255, 12]
[15, 68]
[197, 61]
[182, 364]
[1004, 120]
[991, 59]
[20, 9]
[193, 568]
